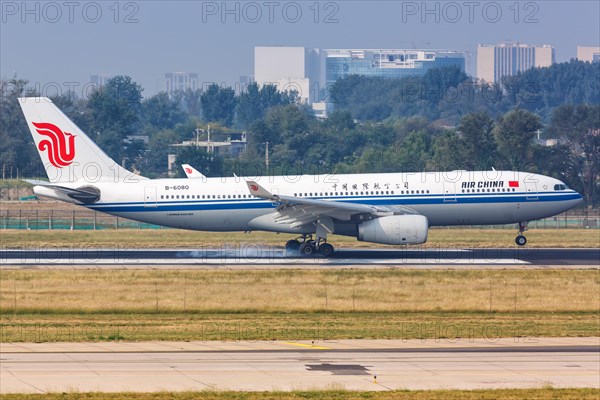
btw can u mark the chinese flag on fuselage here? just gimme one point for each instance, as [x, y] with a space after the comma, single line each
[513, 183]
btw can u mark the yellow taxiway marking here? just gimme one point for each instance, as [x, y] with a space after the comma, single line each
[309, 346]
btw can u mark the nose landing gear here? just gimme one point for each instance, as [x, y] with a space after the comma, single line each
[521, 240]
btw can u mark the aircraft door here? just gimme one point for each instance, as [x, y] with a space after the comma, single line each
[531, 190]
[150, 196]
[449, 192]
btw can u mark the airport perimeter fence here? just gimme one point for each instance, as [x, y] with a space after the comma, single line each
[93, 220]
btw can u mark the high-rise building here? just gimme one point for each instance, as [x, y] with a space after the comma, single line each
[310, 71]
[590, 54]
[180, 81]
[507, 59]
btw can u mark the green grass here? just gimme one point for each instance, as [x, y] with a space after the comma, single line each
[438, 238]
[455, 327]
[507, 394]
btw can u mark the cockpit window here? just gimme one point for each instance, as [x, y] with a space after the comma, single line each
[560, 187]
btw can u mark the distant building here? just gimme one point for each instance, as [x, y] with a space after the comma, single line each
[309, 71]
[394, 63]
[507, 59]
[290, 68]
[100, 79]
[589, 54]
[180, 81]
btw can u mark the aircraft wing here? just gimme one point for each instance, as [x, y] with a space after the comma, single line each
[298, 211]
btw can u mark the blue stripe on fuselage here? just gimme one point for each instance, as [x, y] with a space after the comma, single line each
[240, 204]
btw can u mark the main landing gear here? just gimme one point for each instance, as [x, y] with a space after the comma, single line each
[307, 247]
[521, 240]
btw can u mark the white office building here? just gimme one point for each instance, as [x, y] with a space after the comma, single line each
[589, 54]
[507, 59]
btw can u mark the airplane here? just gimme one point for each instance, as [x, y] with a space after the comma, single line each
[385, 208]
[192, 172]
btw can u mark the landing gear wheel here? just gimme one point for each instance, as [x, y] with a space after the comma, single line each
[521, 240]
[326, 249]
[292, 245]
[307, 249]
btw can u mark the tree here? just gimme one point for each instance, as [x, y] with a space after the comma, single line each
[115, 109]
[156, 161]
[18, 155]
[218, 104]
[581, 126]
[162, 111]
[190, 100]
[254, 102]
[477, 140]
[448, 153]
[514, 133]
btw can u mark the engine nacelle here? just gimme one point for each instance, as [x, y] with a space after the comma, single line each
[395, 229]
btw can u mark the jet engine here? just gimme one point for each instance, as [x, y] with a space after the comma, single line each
[395, 229]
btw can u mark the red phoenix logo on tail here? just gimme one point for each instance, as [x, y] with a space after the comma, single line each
[60, 146]
[188, 170]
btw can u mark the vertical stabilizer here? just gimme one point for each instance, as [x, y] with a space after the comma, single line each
[67, 153]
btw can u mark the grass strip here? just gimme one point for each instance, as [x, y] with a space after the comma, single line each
[458, 328]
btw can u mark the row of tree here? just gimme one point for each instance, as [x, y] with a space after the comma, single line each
[447, 94]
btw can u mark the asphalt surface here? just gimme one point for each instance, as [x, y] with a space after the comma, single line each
[351, 364]
[271, 255]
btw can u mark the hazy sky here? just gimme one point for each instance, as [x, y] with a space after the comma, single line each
[60, 44]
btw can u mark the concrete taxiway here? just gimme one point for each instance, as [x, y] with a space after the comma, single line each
[255, 256]
[351, 364]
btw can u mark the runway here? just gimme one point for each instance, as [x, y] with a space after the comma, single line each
[350, 364]
[246, 256]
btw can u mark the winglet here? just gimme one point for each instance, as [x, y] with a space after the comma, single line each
[258, 191]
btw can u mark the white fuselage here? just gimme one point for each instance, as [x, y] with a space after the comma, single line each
[445, 198]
